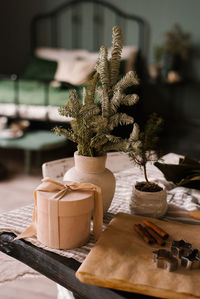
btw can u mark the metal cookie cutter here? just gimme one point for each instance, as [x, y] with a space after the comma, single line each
[192, 261]
[181, 248]
[164, 259]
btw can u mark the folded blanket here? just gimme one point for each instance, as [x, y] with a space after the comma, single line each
[186, 173]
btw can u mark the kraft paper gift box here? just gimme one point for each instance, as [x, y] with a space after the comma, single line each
[62, 214]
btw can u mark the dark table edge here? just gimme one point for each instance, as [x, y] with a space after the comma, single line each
[57, 268]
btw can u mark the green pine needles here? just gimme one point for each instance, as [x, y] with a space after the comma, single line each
[146, 146]
[92, 123]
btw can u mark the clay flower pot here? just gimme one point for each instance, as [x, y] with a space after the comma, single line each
[150, 204]
[92, 170]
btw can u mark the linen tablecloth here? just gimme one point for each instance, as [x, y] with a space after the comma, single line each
[180, 201]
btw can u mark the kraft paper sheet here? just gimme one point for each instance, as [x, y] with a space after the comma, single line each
[122, 260]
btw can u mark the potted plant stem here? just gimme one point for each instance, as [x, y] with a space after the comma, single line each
[148, 198]
[95, 117]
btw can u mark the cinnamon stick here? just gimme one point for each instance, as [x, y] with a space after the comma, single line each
[156, 228]
[157, 238]
[144, 234]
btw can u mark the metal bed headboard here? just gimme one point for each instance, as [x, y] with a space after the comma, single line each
[97, 15]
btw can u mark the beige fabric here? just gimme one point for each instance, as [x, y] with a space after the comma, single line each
[75, 72]
[120, 259]
[74, 66]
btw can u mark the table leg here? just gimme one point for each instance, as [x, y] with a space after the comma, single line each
[38, 159]
[27, 161]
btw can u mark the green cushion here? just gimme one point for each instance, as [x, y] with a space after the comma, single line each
[32, 92]
[35, 140]
[40, 69]
[7, 91]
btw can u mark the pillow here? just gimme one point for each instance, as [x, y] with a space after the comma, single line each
[75, 72]
[40, 69]
[74, 66]
[57, 54]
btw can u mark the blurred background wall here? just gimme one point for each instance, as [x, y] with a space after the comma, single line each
[160, 15]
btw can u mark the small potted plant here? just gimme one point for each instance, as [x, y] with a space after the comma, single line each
[148, 198]
[176, 48]
[94, 118]
[156, 67]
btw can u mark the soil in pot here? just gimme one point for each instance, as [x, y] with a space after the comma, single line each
[148, 187]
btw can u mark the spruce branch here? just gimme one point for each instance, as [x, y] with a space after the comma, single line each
[146, 146]
[115, 55]
[88, 111]
[102, 68]
[90, 90]
[74, 101]
[120, 98]
[98, 140]
[119, 146]
[134, 136]
[66, 111]
[119, 119]
[129, 99]
[92, 123]
[128, 80]
[67, 133]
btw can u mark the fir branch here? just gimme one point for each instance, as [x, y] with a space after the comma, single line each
[67, 133]
[66, 111]
[128, 80]
[129, 99]
[119, 119]
[99, 91]
[146, 148]
[98, 140]
[99, 124]
[134, 136]
[115, 55]
[92, 123]
[105, 105]
[102, 67]
[74, 101]
[89, 110]
[91, 88]
[120, 98]
[120, 146]
[115, 101]
[113, 139]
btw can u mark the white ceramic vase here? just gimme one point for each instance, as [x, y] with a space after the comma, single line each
[92, 170]
[149, 204]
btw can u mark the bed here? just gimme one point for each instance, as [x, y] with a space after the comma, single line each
[64, 42]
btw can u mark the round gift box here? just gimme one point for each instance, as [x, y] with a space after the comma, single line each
[70, 222]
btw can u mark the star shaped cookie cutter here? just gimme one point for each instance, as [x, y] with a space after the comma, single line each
[164, 259]
[192, 261]
[181, 248]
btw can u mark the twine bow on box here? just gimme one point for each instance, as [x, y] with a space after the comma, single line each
[50, 185]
